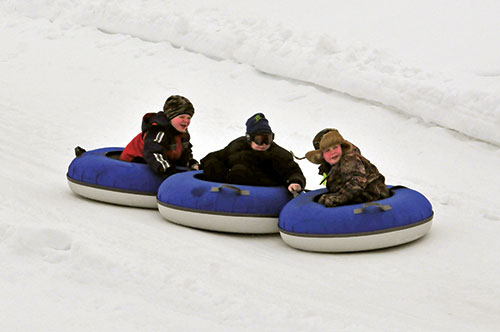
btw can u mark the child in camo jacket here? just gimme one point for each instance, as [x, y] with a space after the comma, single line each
[350, 177]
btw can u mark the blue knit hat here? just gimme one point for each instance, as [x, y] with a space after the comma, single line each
[258, 124]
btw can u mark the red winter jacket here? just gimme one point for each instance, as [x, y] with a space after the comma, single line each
[160, 145]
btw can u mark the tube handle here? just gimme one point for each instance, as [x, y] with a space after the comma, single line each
[382, 207]
[239, 191]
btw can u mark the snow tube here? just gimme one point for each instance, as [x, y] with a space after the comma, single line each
[307, 225]
[187, 199]
[101, 176]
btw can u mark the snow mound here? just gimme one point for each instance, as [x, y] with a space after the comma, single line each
[449, 100]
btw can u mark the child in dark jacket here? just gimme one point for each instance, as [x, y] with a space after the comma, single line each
[164, 141]
[351, 178]
[254, 159]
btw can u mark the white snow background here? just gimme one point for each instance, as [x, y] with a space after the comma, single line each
[414, 84]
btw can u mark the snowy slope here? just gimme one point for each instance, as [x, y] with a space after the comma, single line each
[466, 100]
[74, 264]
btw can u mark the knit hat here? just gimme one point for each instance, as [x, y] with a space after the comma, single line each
[258, 124]
[330, 139]
[177, 105]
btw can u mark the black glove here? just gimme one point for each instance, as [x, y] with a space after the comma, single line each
[164, 167]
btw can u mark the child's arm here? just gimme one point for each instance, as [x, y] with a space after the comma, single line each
[354, 180]
[153, 151]
[288, 170]
[187, 159]
[214, 167]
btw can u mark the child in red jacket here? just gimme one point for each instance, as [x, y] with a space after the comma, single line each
[164, 141]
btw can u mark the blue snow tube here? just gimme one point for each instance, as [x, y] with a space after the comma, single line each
[403, 217]
[100, 175]
[187, 199]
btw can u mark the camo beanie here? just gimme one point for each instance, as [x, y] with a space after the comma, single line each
[258, 124]
[177, 105]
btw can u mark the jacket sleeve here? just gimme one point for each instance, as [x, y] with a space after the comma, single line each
[153, 151]
[186, 158]
[288, 169]
[354, 181]
[214, 165]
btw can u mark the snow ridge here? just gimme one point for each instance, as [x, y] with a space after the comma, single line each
[442, 99]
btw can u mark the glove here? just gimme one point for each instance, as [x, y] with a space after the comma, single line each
[164, 166]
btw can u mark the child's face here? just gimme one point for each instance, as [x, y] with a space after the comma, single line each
[181, 122]
[261, 142]
[332, 155]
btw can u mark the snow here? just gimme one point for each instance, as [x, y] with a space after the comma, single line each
[416, 85]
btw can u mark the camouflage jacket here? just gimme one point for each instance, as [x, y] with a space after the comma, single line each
[324, 168]
[353, 180]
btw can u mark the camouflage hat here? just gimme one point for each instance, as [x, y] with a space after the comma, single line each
[177, 105]
[328, 140]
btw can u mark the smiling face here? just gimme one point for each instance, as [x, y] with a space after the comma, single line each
[332, 154]
[181, 122]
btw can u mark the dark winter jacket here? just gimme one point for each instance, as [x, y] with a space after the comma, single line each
[160, 145]
[353, 180]
[238, 163]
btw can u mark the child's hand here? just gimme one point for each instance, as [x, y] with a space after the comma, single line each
[294, 187]
[195, 167]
